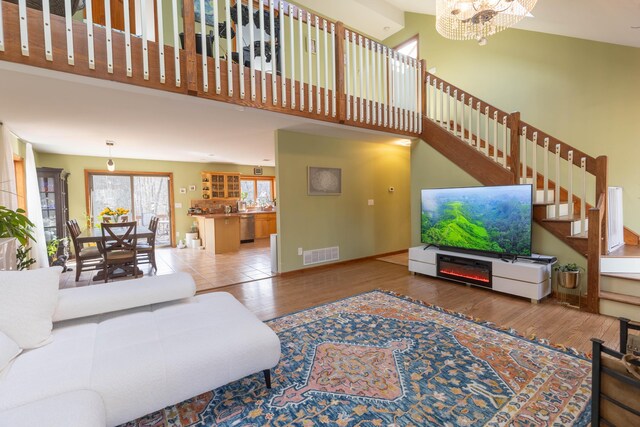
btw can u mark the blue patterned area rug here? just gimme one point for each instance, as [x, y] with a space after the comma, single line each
[379, 359]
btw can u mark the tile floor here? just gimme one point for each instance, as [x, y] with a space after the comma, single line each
[209, 271]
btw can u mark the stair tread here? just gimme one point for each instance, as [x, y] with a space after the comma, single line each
[626, 299]
[625, 251]
[628, 276]
[584, 236]
[565, 218]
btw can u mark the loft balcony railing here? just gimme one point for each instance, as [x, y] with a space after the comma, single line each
[265, 54]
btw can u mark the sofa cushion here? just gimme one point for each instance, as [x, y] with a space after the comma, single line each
[144, 359]
[27, 302]
[8, 350]
[81, 408]
[103, 298]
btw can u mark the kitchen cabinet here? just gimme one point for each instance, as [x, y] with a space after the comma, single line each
[220, 185]
[265, 225]
[219, 233]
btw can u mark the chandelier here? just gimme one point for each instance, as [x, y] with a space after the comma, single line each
[478, 19]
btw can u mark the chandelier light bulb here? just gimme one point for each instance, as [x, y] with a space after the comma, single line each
[478, 19]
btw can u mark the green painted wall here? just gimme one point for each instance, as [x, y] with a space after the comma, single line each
[184, 174]
[347, 221]
[583, 92]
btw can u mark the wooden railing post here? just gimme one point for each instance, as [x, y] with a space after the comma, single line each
[423, 91]
[594, 249]
[601, 188]
[189, 21]
[341, 104]
[513, 122]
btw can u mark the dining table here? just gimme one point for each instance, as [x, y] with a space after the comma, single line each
[94, 235]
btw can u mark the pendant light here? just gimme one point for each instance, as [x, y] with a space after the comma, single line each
[111, 166]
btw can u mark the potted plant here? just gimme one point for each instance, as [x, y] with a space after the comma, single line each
[16, 224]
[569, 275]
[57, 251]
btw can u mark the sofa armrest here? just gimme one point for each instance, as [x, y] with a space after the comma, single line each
[80, 408]
[90, 300]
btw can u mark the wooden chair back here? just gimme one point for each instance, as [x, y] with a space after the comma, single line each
[615, 399]
[119, 236]
[627, 344]
[74, 232]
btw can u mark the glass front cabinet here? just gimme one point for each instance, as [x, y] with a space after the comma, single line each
[54, 201]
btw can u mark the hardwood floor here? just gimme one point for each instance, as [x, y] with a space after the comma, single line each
[281, 295]
[246, 274]
[209, 271]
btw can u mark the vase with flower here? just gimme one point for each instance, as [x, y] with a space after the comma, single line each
[113, 214]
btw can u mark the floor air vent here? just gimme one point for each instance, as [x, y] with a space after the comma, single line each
[317, 256]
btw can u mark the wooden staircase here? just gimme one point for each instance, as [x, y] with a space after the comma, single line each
[496, 148]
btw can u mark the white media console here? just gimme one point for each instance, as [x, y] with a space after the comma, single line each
[522, 277]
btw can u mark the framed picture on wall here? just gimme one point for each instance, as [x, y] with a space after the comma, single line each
[324, 181]
[192, 188]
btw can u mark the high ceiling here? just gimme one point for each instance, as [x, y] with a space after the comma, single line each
[607, 21]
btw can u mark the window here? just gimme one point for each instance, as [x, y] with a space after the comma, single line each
[257, 190]
[145, 195]
[409, 47]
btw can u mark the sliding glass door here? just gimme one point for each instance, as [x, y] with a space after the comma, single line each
[144, 195]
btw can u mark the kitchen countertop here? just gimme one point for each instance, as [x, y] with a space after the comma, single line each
[223, 215]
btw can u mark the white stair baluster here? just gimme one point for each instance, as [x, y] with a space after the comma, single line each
[108, 34]
[374, 78]
[545, 174]
[68, 23]
[448, 111]
[203, 43]
[292, 52]
[455, 113]
[557, 188]
[326, 67]
[145, 41]
[463, 104]
[470, 132]
[46, 22]
[24, 32]
[318, 97]
[89, 21]
[274, 57]
[309, 63]
[263, 59]
[160, 20]
[67, 16]
[429, 116]
[505, 145]
[442, 123]
[420, 97]
[282, 52]
[367, 80]
[176, 42]
[301, 47]
[478, 114]
[252, 67]
[534, 166]
[523, 149]
[347, 82]
[486, 131]
[354, 61]
[583, 195]
[239, 46]
[570, 182]
[333, 69]
[127, 38]
[386, 87]
[495, 136]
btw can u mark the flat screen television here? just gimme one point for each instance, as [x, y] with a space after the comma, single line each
[494, 220]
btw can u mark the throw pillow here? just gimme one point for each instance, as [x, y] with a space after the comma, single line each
[27, 302]
[8, 350]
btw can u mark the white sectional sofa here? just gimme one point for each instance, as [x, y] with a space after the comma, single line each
[125, 349]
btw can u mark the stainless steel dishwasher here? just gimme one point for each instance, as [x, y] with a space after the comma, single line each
[247, 228]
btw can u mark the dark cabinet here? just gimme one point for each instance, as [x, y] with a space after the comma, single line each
[54, 201]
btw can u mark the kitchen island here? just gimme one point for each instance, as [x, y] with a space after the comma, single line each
[220, 233]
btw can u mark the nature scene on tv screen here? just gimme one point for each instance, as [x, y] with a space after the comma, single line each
[493, 219]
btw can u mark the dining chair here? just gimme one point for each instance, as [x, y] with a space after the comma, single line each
[147, 250]
[124, 218]
[118, 247]
[87, 258]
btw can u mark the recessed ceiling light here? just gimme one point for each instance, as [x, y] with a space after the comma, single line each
[387, 28]
[211, 155]
[266, 160]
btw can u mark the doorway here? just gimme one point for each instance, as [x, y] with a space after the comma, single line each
[144, 194]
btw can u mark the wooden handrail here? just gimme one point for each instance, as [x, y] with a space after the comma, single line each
[564, 147]
[513, 122]
[341, 103]
[189, 20]
[594, 249]
[467, 95]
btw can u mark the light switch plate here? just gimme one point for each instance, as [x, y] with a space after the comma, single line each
[370, 202]
[178, 205]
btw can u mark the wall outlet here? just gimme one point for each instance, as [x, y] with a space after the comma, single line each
[178, 205]
[370, 202]
[391, 189]
[300, 251]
